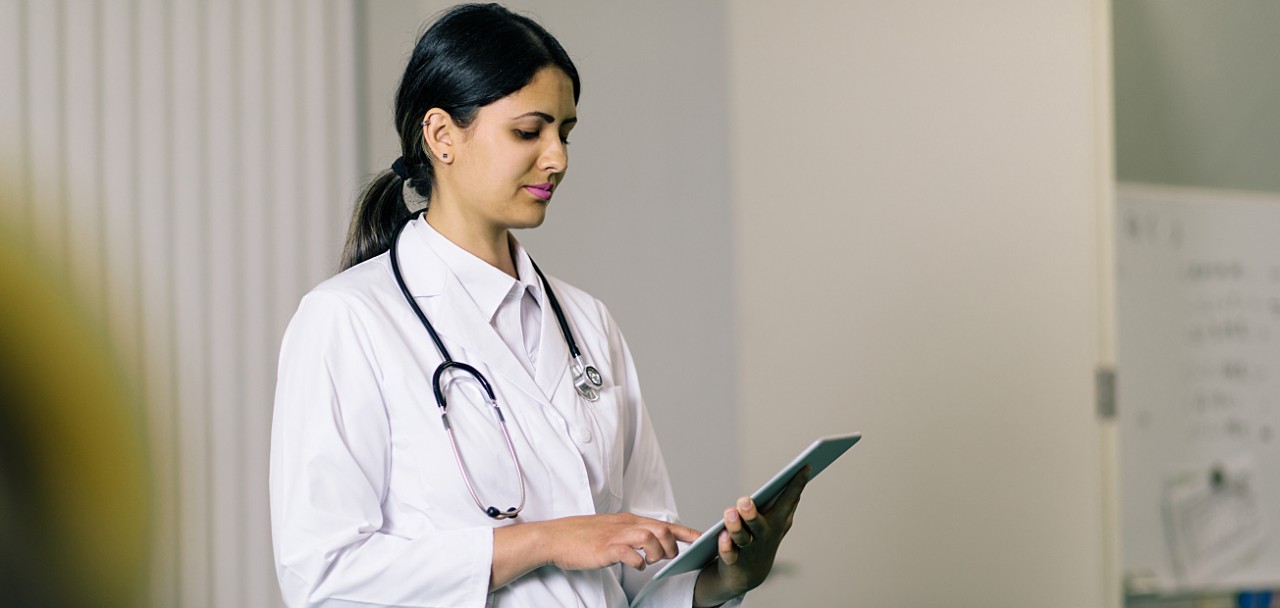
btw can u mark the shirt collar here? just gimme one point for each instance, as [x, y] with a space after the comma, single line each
[487, 286]
[524, 267]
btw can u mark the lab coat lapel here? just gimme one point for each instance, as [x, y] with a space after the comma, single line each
[553, 349]
[455, 315]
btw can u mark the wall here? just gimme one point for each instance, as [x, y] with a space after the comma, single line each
[1196, 93]
[916, 197]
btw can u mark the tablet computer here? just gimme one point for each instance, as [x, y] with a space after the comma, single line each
[818, 455]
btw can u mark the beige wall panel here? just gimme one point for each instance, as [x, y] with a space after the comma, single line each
[43, 121]
[914, 192]
[188, 198]
[118, 184]
[259, 331]
[12, 127]
[155, 263]
[229, 545]
[82, 141]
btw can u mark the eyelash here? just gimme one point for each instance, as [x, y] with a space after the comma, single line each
[532, 135]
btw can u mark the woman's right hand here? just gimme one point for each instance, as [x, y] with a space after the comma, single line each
[599, 541]
[584, 542]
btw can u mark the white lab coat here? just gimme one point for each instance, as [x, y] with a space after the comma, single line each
[368, 507]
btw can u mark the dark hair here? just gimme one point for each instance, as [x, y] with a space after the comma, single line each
[472, 56]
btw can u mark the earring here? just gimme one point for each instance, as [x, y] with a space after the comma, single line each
[444, 155]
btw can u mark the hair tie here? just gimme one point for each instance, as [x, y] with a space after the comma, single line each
[398, 167]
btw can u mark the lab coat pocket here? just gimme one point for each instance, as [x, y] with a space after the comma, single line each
[606, 417]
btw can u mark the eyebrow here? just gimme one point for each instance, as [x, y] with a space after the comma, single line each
[548, 118]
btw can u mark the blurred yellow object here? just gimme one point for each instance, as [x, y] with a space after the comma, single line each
[74, 486]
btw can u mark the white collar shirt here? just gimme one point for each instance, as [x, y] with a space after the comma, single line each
[513, 306]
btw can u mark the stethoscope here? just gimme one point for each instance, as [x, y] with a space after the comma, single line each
[586, 379]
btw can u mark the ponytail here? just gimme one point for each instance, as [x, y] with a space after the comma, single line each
[384, 208]
[378, 217]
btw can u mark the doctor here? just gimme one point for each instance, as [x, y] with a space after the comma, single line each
[451, 428]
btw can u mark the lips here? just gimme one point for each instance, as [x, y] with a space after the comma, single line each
[542, 191]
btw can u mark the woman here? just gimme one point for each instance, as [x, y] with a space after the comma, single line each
[559, 496]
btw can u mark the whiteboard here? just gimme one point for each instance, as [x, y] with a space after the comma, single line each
[1198, 388]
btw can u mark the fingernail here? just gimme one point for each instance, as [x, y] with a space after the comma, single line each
[744, 503]
[731, 516]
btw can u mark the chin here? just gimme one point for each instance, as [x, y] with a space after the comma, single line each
[531, 220]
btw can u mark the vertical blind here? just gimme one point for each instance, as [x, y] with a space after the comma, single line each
[191, 165]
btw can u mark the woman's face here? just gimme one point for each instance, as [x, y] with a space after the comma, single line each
[512, 157]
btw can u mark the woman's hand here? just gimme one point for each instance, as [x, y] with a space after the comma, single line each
[584, 542]
[748, 545]
[599, 541]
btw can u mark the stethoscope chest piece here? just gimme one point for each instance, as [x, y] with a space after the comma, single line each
[586, 379]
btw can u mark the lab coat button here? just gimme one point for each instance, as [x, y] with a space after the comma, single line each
[583, 434]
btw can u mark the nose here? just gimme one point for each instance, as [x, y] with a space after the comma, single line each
[555, 157]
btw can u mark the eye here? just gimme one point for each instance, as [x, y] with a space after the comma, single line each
[526, 134]
[564, 140]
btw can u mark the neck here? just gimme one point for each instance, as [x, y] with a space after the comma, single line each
[491, 244]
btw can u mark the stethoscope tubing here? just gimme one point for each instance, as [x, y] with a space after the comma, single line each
[555, 307]
[404, 289]
[587, 381]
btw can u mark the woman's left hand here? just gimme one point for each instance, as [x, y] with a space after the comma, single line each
[748, 545]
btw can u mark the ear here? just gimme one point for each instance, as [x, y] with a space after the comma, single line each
[438, 133]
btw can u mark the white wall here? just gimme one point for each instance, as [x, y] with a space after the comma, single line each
[915, 191]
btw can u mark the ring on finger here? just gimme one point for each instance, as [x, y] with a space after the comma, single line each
[744, 545]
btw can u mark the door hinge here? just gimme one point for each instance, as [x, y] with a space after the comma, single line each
[1105, 391]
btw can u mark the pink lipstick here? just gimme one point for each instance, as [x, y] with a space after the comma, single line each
[542, 191]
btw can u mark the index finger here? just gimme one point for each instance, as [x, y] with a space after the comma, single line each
[684, 534]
